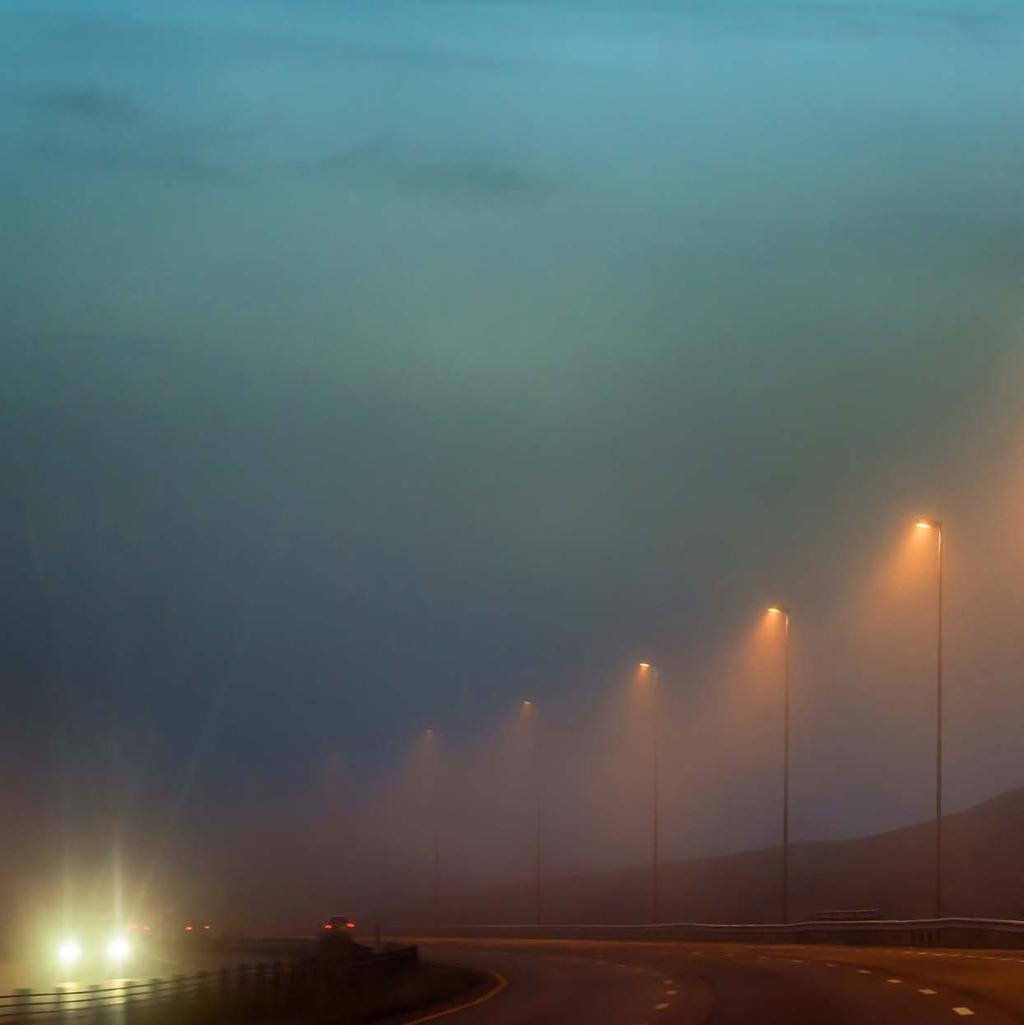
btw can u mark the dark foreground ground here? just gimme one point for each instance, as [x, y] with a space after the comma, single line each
[570, 982]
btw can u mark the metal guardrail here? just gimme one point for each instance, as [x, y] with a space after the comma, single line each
[201, 996]
[231, 994]
[933, 932]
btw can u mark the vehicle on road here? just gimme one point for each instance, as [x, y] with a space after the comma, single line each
[336, 940]
[339, 925]
[96, 947]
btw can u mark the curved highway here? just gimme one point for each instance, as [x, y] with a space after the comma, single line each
[588, 982]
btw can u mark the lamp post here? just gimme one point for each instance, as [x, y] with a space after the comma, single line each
[648, 671]
[528, 711]
[435, 881]
[778, 610]
[936, 525]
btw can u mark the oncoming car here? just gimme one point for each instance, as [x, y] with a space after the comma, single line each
[97, 947]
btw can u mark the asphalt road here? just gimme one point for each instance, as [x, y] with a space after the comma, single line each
[572, 982]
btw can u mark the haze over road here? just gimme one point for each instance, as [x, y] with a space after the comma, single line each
[375, 366]
[554, 982]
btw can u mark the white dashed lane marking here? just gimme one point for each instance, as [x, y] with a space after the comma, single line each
[962, 1011]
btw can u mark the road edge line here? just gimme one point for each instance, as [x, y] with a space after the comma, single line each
[499, 984]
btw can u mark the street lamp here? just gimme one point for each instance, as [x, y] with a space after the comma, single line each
[651, 672]
[528, 709]
[779, 610]
[936, 525]
[435, 884]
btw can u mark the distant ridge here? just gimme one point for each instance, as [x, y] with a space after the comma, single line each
[892, 871]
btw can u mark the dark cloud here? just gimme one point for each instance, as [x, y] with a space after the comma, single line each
[178, 167]
[100, 130]
[86, 103]
[133, 40]
[474, 177]
[463, 176]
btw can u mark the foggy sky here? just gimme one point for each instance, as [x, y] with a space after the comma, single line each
[370, 366]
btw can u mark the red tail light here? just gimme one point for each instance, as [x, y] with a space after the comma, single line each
[207, 927]
[188, 928]
[327, 925]
[350, 925]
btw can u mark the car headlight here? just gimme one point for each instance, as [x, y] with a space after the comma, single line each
[69, 952]
[118, 949]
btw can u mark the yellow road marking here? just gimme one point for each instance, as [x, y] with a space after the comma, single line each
[499, 984]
